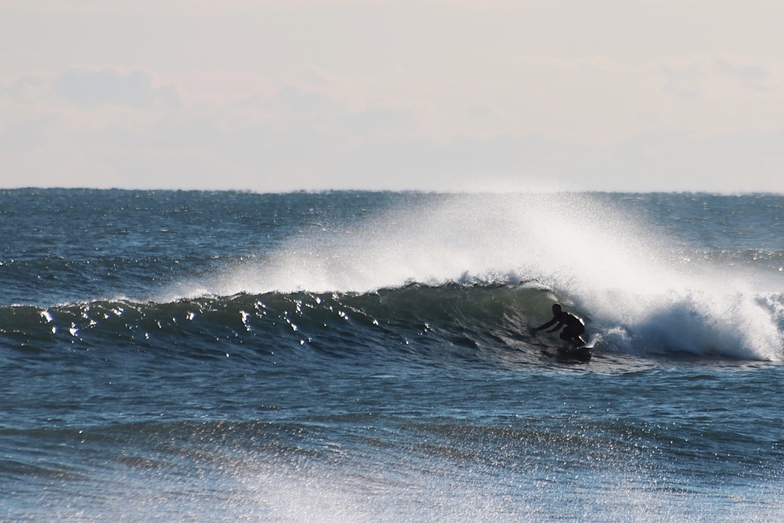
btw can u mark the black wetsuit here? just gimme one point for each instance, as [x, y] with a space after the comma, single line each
[574, 326]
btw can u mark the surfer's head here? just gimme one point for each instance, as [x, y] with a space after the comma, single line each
[556, 308]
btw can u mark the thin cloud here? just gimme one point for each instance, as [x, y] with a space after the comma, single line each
[95, 87]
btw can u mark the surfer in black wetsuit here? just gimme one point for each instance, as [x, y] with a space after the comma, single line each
[574, 330]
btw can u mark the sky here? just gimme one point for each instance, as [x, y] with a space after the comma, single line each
[432, 95]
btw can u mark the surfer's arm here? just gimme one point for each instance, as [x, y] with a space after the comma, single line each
[548, 324]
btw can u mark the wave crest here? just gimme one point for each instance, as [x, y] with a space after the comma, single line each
[414, 319]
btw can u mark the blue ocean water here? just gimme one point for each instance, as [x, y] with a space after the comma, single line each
[360, 356]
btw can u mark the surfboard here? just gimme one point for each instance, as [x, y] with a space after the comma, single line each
[567, 352]
[581, 354]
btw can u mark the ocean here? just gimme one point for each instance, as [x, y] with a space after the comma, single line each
[369, 356]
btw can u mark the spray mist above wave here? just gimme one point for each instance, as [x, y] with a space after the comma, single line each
[599, 258]
[453, 238]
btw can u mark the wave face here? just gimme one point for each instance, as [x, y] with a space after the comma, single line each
[692, 274]
[453, 323]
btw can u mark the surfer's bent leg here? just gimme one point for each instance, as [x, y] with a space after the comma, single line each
[573, 334]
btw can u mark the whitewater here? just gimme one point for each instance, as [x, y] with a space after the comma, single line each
[366, 356]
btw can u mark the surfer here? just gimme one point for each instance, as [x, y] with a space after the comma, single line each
[574, 330]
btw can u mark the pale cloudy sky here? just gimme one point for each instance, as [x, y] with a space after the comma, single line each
[274, 95]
